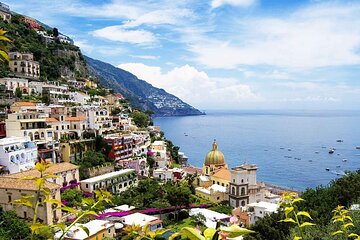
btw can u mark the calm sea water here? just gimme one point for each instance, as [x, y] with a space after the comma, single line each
[291, 148]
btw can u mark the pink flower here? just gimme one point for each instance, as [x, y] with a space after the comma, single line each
[234, 220]
[223, 235]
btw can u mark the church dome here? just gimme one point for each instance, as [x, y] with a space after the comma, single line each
[215, 156]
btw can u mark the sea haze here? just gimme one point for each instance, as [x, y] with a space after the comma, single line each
[291, 148]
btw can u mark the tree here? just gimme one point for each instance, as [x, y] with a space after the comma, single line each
[73, 197]
[18, 93]
[269, 228]
[12, 227]
[140, 119]
[89, 159]
[198, 219]
[55, 32]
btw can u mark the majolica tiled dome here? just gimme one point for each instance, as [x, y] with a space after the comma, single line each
[215, 156]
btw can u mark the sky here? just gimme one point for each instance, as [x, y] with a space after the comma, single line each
[222, 54]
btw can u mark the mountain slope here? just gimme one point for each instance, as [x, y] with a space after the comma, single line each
[140, 93]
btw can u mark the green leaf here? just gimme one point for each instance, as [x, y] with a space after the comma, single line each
[353, 235]
[288, 220]
[91, 213]
[337, 232]
[40, 182]
[235, 231]
[69, 209]
[36, 227]
[85, 229]
[297, 238]
[305, 224]
[57, 202]
[209, 233]
[345, 226]
[297, 200]
[191, 233]
[303, 213]
[288, 210]
[173, 236]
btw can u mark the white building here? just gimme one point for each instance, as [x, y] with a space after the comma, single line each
[17, 154]
[260, 209]
[80, 97]
[35, 87]
[211, 216]
[99, 120]
[98, 229]
[244, 188]
[115, 182]
[142, 220]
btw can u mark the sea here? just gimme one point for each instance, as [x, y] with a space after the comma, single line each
[290, 148]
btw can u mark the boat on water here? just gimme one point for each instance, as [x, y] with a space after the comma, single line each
[281, 148]
[331, 150]
[339, 140]
[327, 169]
[317, 152]
[357, 147]
[344, 160]
[289, 149]
[338, 172]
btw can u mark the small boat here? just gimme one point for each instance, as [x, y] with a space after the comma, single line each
[310, 160]
[317, 152]
[357, 147]
[289, 149]
[327, 169]
[339, 140]
[281, 148]
[344, 160]
[338, 166]
[331, 150]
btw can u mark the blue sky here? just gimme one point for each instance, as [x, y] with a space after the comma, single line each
[222, 54]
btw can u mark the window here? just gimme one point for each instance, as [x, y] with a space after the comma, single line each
[68, 126]
[87, 185]
[242, 180]
[233, 190]
[25, 214]
[49, 134]
[242, 203]
[233, 180]
[9, 198]
[62, 127]
[57, 127]
[242, 191]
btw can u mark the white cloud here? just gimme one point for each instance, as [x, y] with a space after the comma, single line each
[194, 86]
[159, 17]
[118, 34]
[241, 3]
[149, 57]
[302, 40]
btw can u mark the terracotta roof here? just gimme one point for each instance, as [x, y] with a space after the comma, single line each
[54, 168]
[192, 170]
[23, 104]
[15, 183]
[223, 173]
[51, 120]
[74, 118]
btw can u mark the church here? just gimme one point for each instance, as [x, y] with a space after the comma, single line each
[238, 185]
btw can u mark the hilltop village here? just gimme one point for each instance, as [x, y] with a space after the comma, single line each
[94, 139]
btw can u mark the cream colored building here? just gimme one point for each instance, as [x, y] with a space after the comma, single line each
[12, 84]
[115, 182]
[12, 188]
[66, 173]
[5, 13]
[98, 229]
[74, 149]
[21, 106]
[23, 64]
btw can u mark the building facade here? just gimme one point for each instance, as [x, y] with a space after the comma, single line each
[17, 154]
[23, 64]
[115, 182]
